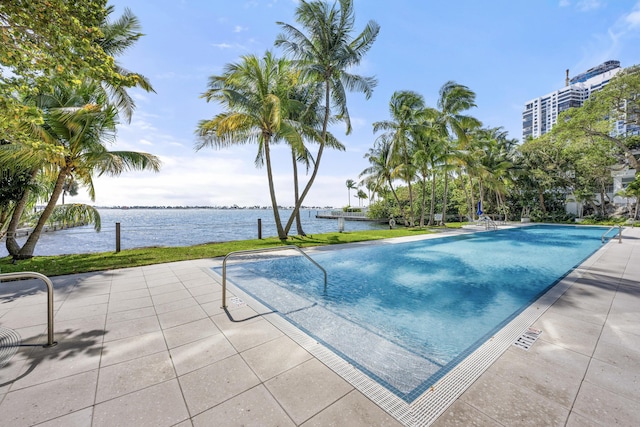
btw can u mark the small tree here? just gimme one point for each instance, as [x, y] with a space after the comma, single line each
[361, 195]
[351, 185]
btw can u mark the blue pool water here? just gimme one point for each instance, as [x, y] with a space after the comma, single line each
[406, 313]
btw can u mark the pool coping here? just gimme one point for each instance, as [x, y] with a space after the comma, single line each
[426, 408]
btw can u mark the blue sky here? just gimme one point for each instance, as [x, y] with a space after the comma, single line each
[506, 51]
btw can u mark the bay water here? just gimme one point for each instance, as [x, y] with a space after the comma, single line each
[178, 227]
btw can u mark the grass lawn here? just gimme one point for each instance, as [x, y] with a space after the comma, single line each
[82, 263]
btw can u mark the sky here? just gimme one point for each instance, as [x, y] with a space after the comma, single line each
[507, 52]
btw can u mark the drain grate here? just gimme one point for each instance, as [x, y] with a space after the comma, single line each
[526, 340]
[9, 343]
[236, 301]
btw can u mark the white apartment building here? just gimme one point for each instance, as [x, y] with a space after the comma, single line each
[541, 114]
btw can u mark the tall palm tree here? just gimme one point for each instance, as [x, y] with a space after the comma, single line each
[325, 49]
[256, 96]
[406, 109]
[429, 144]
[351, 185]
[308, 119]
[78, 125]
[496, 168]
[453, 100]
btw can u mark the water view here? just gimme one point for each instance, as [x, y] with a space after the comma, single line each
[177, 227]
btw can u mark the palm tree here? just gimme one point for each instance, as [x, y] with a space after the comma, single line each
[78, 124]
[351, 184]
[426, 157]
[381, 171]
[255, 94]
[361, 195]
[118, 36]
[406, 109]
[307, 117]
[453, 100]
[325, 49]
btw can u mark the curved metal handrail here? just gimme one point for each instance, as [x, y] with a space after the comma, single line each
[619, 233]
[278, 248]
[47, 281]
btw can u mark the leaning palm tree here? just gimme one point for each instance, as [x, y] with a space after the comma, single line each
[78, 125]
[256, 96]
[325, 49]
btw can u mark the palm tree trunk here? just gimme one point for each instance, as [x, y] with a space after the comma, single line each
[11, 244]
[395, 196]
[471, 200]
[432, 208]
[444, 198]
[272, 192]
[295, 193]
[424, 201]
[409, 179]
[316, 166]
[412, 215]
[467, 198]
[29, 246]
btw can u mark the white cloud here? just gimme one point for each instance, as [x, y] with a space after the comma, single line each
[633, 19]
[224, 46]
[621, 36]
[239, 29]
[583, 5]
[145, 142]
[588, 5]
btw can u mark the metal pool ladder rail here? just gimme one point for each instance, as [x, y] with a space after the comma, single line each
[47, 281]
[619, 233]
[278, 248]
[489, 224]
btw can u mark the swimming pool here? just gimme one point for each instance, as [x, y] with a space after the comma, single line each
[406, 313]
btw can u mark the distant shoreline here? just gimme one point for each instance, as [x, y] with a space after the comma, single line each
[233, 207]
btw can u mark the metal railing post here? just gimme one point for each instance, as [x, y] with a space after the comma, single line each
[117, 237]
[47, 281]
[611, 228]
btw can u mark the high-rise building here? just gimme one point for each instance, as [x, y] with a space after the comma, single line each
[540, 114]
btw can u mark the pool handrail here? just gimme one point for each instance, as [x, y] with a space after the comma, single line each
[277, 248]
[489, 224]
[611, 228]
[47, 281]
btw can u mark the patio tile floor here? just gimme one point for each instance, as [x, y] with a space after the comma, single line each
[151, 346]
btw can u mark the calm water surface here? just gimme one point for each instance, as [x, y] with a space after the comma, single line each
[177, 227]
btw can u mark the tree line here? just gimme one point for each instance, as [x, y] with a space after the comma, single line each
[441, 159]
[62, 93]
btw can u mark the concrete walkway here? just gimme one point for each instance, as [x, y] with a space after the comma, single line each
[151, 346]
